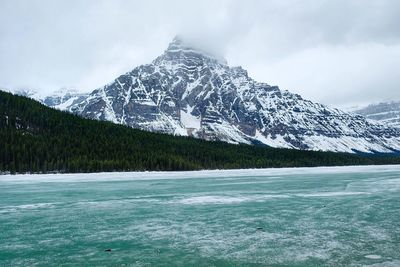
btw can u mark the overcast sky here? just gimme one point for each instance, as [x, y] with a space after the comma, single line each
[336, 52]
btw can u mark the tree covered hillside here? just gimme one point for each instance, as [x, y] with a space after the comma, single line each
[35, 138]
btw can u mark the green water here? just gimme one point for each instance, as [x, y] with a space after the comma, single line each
[300, 217]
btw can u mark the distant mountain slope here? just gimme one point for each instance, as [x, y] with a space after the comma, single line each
[61, 99]
[36, 138]
[384, 112]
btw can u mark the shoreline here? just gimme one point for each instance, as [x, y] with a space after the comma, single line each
[155, 175]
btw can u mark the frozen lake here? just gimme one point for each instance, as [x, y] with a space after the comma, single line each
[342, 216]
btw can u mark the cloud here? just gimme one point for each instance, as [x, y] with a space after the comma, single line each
[324, 74]
[336, 52]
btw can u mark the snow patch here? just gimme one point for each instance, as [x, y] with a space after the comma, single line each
[373, 257]
[188, 120]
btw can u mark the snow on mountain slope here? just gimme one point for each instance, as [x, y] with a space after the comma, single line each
[64, 99]
[31, 93]
[385, 112]
[61, 99]
[186, 91]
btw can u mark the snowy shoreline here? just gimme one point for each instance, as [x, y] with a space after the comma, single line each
[155, 175]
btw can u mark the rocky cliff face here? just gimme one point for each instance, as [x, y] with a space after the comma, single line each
[385, 112]
[186, 91]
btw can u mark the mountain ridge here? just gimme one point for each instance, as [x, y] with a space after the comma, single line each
[387, 112]
[188, 92]
[35, 138]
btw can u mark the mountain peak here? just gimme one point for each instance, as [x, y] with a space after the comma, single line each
[183, 46]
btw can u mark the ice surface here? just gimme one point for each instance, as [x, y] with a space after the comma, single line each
[212, 200]
[373, 257]
[116, 176]
[327, 216]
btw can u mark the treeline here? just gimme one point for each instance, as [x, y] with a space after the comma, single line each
[35, 138]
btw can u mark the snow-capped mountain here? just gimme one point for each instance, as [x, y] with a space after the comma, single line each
[385, 112]
[61, 99]
[64, 98]
[28, 92]
[187, 91]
